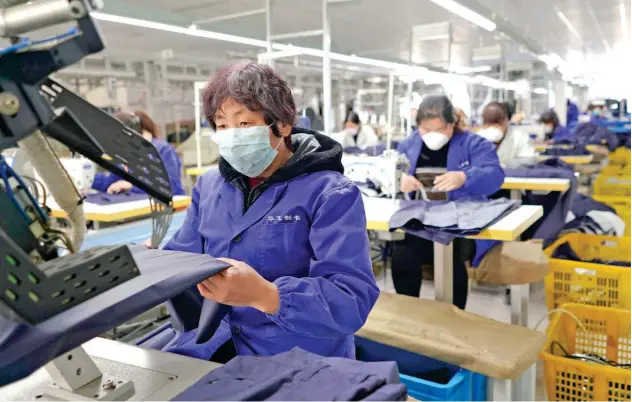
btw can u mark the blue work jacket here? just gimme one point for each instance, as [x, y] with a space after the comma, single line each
[308, 236]
[561, 133]
[102, 181]
[477, 158]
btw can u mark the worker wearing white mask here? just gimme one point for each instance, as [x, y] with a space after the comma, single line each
[472, 172]
[356, 134]
[513, 145]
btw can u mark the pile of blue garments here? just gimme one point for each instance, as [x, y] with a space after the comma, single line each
[566, 252]
[443, 221]
[593, 134]
[572, 151]
[298, 375]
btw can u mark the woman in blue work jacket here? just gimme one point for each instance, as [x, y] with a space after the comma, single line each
[554, 131]
[289, 223]
[145, 126]
[473, 172]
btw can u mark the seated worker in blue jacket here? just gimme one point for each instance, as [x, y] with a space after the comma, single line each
[280, 211]
[554, 131]
[473, 171]
[145, 126]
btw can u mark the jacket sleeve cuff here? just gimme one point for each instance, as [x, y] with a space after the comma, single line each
[469, 173]
[284, 303]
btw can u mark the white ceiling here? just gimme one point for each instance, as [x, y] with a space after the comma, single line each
[377, 28]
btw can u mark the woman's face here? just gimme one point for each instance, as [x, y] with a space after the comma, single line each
[351, 128]
[436, 125]
[232, 114]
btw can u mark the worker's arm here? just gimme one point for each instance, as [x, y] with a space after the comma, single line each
[484, 175]
[340, 291]
[102, 181]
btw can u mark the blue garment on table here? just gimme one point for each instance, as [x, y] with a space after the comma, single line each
[298, 375]
[477, 158]
[582, 204]
[576, 150]
[572, 112]
[554, 163]
[171, 160]
[593, 134]
[110, 199]
[372, 150]
[561, 133]
[555, 204]
[164, 274]
[306, 232]
[566, 252]
[443, 221]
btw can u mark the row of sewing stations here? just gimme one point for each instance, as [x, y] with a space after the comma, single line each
[379, 211]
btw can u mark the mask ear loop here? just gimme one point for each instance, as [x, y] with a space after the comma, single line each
[280, 138]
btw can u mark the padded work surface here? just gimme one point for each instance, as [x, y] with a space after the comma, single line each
[441, 331]
[164, 274]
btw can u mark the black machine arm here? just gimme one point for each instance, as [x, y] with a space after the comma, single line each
[34, 287]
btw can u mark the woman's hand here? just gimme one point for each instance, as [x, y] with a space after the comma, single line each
[240, 285]
[409, 184]
[119, 187]
[449, 181]
[147, 243]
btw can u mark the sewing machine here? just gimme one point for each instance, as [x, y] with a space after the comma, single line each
[46, 284]
[384, 172]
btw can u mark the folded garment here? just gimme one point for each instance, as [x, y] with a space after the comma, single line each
[582, 204]
[573, 151]
[556, 205]
[566, 252]
[586, 224]
[298, 375]
[164, 274]
[443, 221]
[109, 199]
[592, 134]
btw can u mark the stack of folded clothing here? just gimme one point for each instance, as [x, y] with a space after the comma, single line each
[443, 221]
[566, 252]
[298, 375]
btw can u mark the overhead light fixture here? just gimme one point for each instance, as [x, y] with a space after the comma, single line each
[471, 69]
[466, 13]
[540, 91]
[568, 24]
[414, 72]
[624, 20]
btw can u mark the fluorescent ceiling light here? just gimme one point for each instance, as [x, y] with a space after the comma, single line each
[624, 21]
[433, 37]
[414, 72]
[471, 69]
[540, 91]
[466, 13]
[568, 24]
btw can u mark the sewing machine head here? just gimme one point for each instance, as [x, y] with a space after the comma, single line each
[383, 172]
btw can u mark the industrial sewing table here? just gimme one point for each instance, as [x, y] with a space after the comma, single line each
[118, 212]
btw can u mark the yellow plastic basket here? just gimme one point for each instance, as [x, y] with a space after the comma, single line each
[612, 185]
[621, 156]
[621, 205]
[616, 170]
[606, 333]
[587, 283]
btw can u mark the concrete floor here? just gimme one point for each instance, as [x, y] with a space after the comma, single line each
[490, 302]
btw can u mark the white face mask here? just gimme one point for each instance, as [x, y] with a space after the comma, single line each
[435, 140]
[492, 134]
[548, 129]
[584, 118]
[351, 130]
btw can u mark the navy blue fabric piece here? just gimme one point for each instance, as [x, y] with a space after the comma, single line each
[576, 150]
[109, 199]
[556, 205]
[592, 134]
[373, 150]
[584, 224]
[566, 252]
[554, 163]
[164, 274]
[582, 205]
[443, 221]
[298, 375]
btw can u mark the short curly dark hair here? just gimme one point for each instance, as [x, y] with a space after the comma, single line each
[256, 86]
